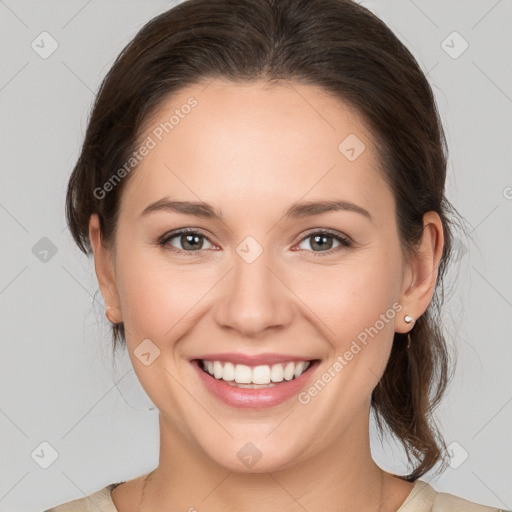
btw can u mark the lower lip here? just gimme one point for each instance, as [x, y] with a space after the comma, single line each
[254, 398]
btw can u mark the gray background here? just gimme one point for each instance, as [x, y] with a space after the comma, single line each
[58, 383]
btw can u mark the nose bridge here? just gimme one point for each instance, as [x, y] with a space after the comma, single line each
[253, 299]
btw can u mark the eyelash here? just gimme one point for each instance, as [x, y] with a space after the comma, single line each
[344, 241]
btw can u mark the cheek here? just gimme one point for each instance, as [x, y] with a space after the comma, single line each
[351, 296]
[161, 298]
[158, 298]
[357, 308]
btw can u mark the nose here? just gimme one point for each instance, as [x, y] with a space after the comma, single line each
[254, 298]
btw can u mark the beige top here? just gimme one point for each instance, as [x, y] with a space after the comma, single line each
[422, 498]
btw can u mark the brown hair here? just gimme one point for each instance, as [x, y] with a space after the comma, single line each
[336, 45]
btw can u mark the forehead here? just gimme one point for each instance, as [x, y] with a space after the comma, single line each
[252, 142]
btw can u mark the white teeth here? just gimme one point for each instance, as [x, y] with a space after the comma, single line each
[277, 373]
[289, 371]
[228, 372]
[262, 375]
[217, 369]
[242, 374]
[299, 368]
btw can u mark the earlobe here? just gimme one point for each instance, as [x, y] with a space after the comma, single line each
[104, 268]
[423, 270]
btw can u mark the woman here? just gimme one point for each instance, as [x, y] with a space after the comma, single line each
[262, 188]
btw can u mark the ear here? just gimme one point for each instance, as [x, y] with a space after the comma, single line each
[104, 266]
[420, 277]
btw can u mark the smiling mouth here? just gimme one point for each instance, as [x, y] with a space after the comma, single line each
[255, 377]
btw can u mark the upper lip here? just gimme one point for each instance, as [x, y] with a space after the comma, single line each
[253, 360]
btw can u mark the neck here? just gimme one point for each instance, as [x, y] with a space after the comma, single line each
[342, 477]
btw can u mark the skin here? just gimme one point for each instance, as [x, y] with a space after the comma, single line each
[251, 150]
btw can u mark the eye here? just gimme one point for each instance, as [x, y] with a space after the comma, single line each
[189, 239]
[192, 241]
[323, 240]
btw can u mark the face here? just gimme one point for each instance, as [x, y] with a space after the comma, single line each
[263, 278]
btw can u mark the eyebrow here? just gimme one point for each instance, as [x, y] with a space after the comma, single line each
[295, 211]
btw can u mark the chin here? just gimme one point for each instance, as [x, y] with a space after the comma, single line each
[254, 453]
